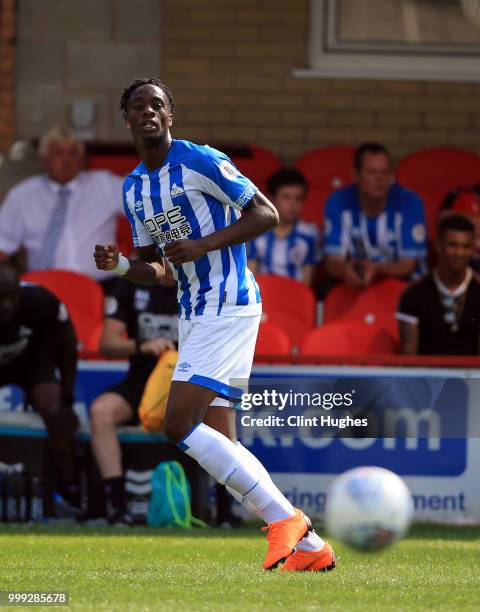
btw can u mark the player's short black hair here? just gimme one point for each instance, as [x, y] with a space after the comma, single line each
[456, 223]
[138, 83]
[283, 177]
[369, 147]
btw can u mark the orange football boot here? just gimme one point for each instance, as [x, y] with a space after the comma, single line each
[312, 561]
[283, 536]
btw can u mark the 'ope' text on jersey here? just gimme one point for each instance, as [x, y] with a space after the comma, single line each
[178, 226]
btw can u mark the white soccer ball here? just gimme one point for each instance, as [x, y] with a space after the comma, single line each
[368, 508]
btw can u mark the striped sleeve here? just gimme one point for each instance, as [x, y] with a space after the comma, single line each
[217, 176]
[140, 236]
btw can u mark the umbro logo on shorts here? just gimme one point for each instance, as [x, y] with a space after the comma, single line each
[138, 205]
[184, 366]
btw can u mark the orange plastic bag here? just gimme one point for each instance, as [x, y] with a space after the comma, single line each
[153, 404]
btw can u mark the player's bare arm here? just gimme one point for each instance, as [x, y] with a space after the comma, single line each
[114, 343]
[148, 270]
[343, 269]
[401, 268]
[308, 274]
[258, 217]
[253, 266]
[408, 338]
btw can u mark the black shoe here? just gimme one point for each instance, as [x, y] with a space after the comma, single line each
[120, 518]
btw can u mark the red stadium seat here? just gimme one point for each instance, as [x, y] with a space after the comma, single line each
[314, 206]
[378, 304]
[295, 329]
[375, 305]
[348, 338]
[258, 164]
[119, 164]
[83, 298]
[287, 295]
[338, 301]
[328, 168]
[272, 340]
[432, 173]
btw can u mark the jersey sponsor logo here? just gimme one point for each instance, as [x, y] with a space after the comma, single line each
[418, 232]
[179, 227]
[176, 191]
[141, 299]
[228, 170]
[152, 326]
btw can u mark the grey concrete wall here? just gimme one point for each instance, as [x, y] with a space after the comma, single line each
[89, 49]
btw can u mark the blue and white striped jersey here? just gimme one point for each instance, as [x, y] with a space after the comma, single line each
[196, 192]
[287, 256]
[397, 232]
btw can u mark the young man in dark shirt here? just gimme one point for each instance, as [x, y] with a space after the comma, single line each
[141, 323]
[36, 338]
[440, 314]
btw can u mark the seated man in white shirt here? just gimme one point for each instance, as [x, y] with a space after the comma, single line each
[59, 216]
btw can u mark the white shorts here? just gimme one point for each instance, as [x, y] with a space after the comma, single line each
[213, 352]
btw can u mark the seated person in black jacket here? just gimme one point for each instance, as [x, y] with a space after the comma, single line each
[141, 323]
[37, 340]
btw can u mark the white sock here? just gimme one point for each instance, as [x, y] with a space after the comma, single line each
[279, 506]
[223, 460]
[312, 542]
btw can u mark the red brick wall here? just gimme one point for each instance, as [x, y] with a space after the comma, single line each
[7, 73]
[230, 65]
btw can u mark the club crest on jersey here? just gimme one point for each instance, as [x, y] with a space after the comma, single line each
[418, 232]
[176, 191]
[228, 170]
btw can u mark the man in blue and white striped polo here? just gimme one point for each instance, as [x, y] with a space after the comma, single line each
[191, 209]
[374, 228]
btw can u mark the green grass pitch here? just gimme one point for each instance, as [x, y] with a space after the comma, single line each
[435, 568]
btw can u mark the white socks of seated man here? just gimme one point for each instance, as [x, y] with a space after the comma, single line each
[246, 478]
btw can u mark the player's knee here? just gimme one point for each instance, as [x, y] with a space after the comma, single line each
[47, 401]
[48, 411]
[176, 427]
[102, 415]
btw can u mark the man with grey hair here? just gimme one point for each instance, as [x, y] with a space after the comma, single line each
[59, 216]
